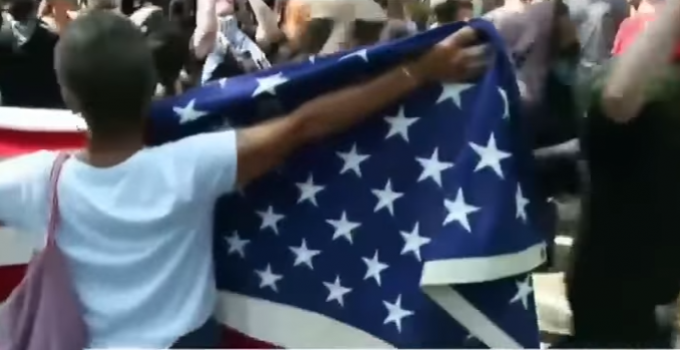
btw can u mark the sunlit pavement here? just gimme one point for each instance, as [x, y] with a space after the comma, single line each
[553, 310]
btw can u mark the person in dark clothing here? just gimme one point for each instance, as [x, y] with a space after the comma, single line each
[27, 77]
[624, 259]
[449, 11]
[170, 48]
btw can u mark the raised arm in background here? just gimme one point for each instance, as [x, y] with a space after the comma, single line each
[268, 30]
[395, 9]
[56, 13]
[263, 147]
[205, 34]
[648, 57]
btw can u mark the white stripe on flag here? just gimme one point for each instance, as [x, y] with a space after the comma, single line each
[291, 327]
[45, 120]
[479, 325]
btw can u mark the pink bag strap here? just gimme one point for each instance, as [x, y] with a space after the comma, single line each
[53, 217]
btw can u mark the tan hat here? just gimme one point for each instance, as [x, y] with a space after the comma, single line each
[347, 10]
[343, 13]
[368, 10]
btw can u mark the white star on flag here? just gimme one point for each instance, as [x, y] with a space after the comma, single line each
[237, 245]
[308, 190]
[459, 210]
[304, 255]
[386, 198]
[352, 160]
[269, 84]
[374, 268]
[395, 313]
[189, 112]
[521, 202]
[268, 278]
[336, 291]
[524, 289]
[343, 227]
[490, 156]
[399, 125]
[270, 219]
[433, 167]
[363, 53]
[452, 92]
[413, 241]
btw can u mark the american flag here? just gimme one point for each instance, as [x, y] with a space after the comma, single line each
[413, 230]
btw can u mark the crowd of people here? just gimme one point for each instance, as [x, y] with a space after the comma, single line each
[601, 72]
[195, 41]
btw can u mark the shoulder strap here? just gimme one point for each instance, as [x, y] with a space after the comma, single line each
[53, 217]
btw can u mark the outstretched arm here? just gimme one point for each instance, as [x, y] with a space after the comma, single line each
[205, 33]
[265, 146]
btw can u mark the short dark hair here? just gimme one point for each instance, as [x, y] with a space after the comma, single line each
[367, 32]
[106, 71]
[447, 11]
[315, 35]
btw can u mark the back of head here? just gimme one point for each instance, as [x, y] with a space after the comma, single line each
[366, 32]
[369, 20]
[449, 11]
[106, 71]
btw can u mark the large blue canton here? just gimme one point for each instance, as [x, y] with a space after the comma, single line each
[415, 227]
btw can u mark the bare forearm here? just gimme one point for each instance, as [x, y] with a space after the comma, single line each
[267, 27]
[623, 95]
[338, 111]
[264, 146]
[205, 33]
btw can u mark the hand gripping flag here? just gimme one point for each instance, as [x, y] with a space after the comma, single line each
[413, 230]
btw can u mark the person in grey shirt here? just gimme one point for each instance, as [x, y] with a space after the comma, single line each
[597, 22]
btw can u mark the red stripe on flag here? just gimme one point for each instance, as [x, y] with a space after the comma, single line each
[234, 339]
[11, 275]
[16, 142]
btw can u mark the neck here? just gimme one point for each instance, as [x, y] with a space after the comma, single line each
[106, 151]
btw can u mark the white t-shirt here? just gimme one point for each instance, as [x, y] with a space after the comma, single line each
[138, 235]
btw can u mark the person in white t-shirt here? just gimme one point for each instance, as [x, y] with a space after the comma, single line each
[137, 221]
